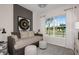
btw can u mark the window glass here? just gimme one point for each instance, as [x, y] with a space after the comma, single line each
[56, 26]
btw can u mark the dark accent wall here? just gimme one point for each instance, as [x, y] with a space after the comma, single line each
[21, 11]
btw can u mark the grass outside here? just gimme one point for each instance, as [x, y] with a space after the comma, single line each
[60, 33]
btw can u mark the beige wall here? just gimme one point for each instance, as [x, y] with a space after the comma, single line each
[6, 17]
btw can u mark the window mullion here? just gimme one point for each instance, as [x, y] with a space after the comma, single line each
[54, 28]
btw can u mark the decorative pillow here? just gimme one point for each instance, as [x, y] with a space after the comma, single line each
[31, 34]
[16, 33]
[15, 37]
[24, 34]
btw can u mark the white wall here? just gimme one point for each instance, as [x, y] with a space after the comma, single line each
[36, 22]
[67, 42]
[6, 17]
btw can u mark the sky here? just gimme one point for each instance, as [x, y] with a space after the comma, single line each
[60, 20]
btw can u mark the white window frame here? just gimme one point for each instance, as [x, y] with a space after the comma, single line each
[54, 27]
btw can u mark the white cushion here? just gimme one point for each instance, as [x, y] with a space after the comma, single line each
[36, 38]
[31, 34]
[21, 43]
[15, 37]
[24, 34]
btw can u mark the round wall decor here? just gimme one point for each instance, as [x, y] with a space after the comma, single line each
[24, 24]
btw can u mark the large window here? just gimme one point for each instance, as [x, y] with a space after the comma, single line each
[56, 26]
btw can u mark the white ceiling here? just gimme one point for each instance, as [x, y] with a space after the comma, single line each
[35, 8]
